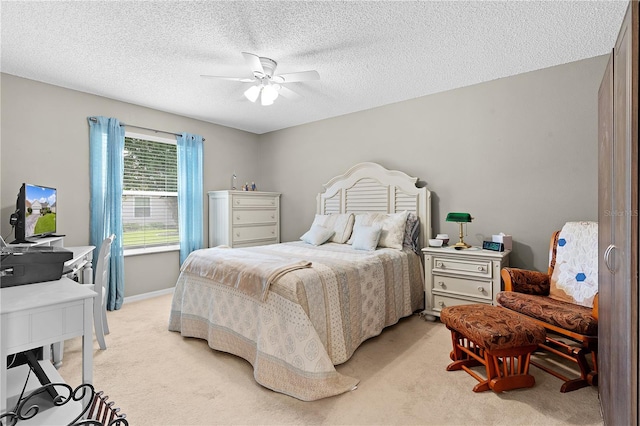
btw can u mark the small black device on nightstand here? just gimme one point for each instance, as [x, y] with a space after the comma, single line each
[492, 245]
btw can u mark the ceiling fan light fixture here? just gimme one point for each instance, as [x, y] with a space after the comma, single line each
[252, 93]
[269, 94]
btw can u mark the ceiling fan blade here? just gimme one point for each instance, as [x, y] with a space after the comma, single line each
[296, 76]
[254, 62]
[289, 94]
[241, 79]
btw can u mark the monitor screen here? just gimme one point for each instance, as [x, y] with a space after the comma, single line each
[40, 203]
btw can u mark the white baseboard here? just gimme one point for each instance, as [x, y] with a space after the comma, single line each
[149, 295]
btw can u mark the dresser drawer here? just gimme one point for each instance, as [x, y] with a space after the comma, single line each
[245, 217]
[463, 287]
[477, 268]
[254, 243]
[258, 232]
[440, 302]
[253, 201]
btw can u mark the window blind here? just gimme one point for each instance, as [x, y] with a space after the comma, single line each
[150, 194]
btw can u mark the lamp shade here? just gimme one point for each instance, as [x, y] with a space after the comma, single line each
[459, 217]
[252, 93]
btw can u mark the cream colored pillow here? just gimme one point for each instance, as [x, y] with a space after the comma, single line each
[392, 225]
[341, 224]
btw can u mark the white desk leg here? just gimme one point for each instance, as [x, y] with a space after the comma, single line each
[87, 342]
[57, 351]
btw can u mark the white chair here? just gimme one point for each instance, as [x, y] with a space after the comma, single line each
[99, 286]
[99, 302]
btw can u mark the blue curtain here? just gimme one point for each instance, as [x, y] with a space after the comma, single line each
[190, 194]
[106, 165]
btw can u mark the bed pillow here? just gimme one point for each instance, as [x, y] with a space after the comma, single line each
[317, 235]
[341, 224]
[366, 237]
[393, 227]
[411, 239]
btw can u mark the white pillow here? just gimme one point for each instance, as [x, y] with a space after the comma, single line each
[317, 235]
[392, 225]
[366, 237]
[342, 225]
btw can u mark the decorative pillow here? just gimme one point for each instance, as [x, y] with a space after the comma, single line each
[575, 275]
[366, 237]
[393, 227]
[317, 235]
[342, 225]
[412, 233]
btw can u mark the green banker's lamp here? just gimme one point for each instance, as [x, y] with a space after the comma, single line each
[461, 218]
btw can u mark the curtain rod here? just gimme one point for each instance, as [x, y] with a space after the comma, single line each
[95, 120]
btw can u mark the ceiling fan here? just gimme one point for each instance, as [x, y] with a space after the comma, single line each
[268, 86]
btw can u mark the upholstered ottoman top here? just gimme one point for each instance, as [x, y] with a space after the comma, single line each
[492, 327]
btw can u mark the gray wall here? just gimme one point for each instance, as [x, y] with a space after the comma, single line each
[45, 141]
[519, 153]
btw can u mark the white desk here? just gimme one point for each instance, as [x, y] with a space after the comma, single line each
[40, 314]
[80, 264]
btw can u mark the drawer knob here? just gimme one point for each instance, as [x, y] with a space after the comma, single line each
[481, 289]
[481, 268]
[441, 303]
[237, 234]
[441, 283]
[237, 217]
[273, 216]
[439, 265]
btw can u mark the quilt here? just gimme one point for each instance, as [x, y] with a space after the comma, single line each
[311, 318]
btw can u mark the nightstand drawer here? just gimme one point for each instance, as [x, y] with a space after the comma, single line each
[440, 302]
[253, 201]
[260, 232]
[476, 268]
[244, 217]
[463, 287]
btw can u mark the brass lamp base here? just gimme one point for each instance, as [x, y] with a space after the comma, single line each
[461, 244]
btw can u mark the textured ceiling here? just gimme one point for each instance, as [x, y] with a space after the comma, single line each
[368, 54]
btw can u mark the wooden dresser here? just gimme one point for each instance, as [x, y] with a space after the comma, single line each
[243, 218]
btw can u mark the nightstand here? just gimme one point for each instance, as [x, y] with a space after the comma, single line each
[460, 277]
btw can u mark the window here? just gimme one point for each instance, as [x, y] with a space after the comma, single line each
[150, 194]
[142, 207]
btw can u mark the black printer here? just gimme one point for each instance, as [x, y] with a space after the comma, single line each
[27, 265]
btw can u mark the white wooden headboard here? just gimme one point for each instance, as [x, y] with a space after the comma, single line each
[369, 187]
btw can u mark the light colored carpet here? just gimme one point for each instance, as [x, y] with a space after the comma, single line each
[158, 377]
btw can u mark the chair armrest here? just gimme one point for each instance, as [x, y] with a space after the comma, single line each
[594, 312]
[525, 281]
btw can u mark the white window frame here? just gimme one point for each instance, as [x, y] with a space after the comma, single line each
[149, 250]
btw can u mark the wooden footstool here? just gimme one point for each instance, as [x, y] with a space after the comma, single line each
[497, 338]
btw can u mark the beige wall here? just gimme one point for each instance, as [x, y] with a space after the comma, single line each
[45, 141]
[519, 154]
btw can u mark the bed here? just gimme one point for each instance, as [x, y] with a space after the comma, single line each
[295, 310]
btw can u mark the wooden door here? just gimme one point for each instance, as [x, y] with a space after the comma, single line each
[605, 230]
[618, 269]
